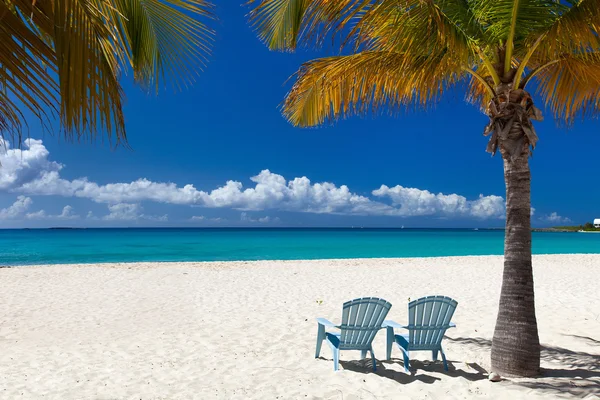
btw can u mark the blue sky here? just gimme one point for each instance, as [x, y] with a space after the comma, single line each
[228, 128]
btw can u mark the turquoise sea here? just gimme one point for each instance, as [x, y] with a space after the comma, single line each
[59, 246]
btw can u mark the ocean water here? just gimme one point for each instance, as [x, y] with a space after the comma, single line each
[59, 246]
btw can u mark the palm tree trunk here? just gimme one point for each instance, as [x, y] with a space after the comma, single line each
[516, 346]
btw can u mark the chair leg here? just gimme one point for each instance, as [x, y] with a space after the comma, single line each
[444, 359]
[406, 360]
[390, 342]
[363, 354]
[336, 358]
[434, 355]
[320, 338]
[374, 361]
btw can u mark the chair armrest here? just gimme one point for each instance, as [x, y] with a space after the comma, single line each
[391, 324]
[451, 325]
[324, 322]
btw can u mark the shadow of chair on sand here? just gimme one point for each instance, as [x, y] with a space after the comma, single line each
[576, 372]
[418, 370]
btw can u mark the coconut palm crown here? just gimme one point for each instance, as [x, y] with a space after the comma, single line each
[399, 54]
[64, 58]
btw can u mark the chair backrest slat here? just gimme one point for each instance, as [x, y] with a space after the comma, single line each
[428, 319]
[435, 312]
[361, 319]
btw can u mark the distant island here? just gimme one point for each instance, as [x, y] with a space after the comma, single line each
[587, 227]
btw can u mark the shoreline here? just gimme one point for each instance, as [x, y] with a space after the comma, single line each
[247, 330]
[286, 261]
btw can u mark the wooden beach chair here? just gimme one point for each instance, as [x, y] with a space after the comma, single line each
[361, 320]
[428, 319]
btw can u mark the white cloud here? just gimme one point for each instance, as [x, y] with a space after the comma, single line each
[41, 214]
[244, 217]
[29, 171]
[20, 166]
[417, 202]
[199, 218]
[123, 212]
[130, 212]
[268, 219]
[555, 218]
[532, 211]
[66, 214]
[17, 209]
[20, 207]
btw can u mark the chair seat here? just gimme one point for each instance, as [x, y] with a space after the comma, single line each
[403, 340]
[335, 339]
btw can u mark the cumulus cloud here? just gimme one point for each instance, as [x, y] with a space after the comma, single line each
[417, 202]
[244, 217]
[202, 218]
[20, 166]
[29, 171]
[268, 219]
[123, 212]
[41, 214]
[555, 218]
[66, 214]
[130, 212]
[17, 209]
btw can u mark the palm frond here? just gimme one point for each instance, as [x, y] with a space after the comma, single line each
[571, 86]
[90, 94]
[418, 22]
[280, 22]
[478, 94]
[68, 55]
[511, 23]
[283, 24]
[330, 88]
[161, 38]
[575, 30]
[26, 74]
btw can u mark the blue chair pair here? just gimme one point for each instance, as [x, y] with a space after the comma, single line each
[428, 319]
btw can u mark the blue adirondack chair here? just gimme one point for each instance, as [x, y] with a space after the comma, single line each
[428, 319]
[361, 320]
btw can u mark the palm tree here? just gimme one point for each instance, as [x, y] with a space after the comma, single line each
[406, 53]
[63, 58]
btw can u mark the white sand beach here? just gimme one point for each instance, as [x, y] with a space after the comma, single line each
[247, 330]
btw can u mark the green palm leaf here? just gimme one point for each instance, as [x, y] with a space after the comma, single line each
[67, 56]
[24, 77]
[335, 87]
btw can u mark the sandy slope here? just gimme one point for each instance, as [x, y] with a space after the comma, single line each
[247, 329]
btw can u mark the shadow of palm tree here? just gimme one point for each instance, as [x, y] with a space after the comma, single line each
[577, 372]
[592, 341]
